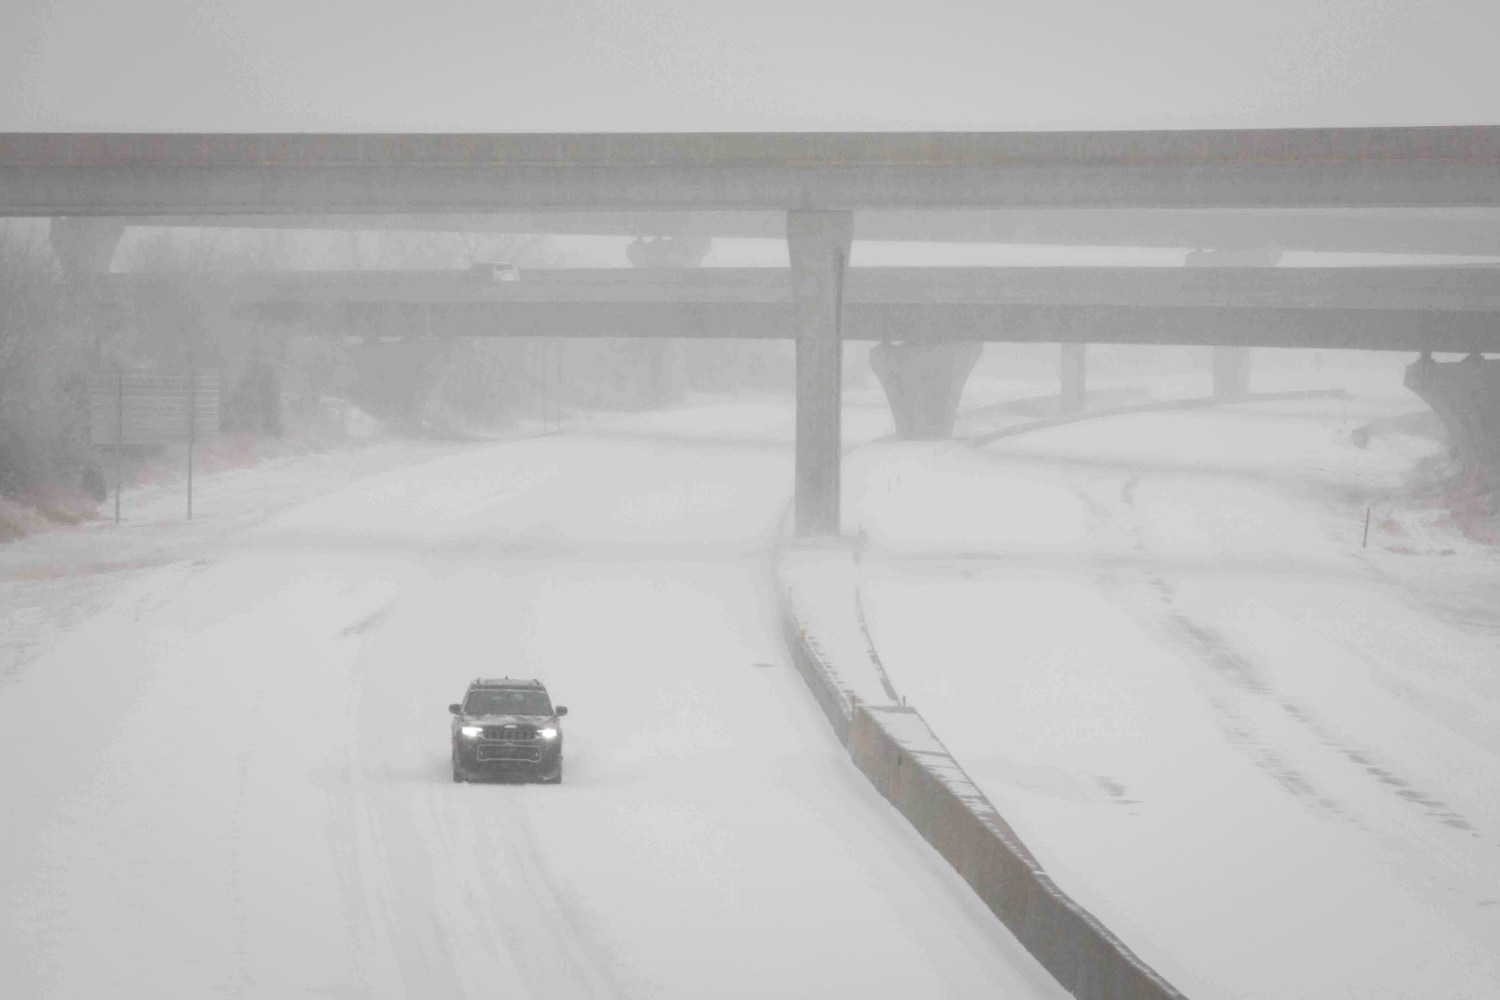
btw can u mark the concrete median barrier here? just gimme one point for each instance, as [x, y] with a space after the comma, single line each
[808, 661]
[902, 757]
[908, 764]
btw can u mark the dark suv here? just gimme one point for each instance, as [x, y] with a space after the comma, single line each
[507, 728]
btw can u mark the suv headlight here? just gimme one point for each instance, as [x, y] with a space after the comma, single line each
[472, 732]
[547, 732]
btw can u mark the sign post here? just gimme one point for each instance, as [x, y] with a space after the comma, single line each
[146, 408]
[119, 435]
[192, 388]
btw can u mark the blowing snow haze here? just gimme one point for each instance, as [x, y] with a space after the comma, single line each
[1011, 513]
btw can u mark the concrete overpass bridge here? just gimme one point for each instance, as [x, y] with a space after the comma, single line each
[819, 182]
[921, 317]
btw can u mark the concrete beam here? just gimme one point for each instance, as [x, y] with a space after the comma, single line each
[1329, 329]
[1352, 329]
[1231, 365]
[818, 243]
[1439, 231]
[85, 246]
[1447, 289]
[199, 174]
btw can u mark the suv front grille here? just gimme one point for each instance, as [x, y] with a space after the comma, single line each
[509, 751]
[510, 733]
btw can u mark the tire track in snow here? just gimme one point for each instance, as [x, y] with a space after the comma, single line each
[396, 865]
[1217, 651]
[238, 910]
[1111, 502]
[567, 959]
[1213, 649]
[355, 845]
[380, 862]
[466, 904]
[1237, 669]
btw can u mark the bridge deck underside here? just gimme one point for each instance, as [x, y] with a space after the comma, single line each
[1437, 231]
[1438, 288]
[1392, 308]
[1351, 329]
[84, 174]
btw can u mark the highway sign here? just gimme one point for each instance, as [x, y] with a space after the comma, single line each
[154, 408]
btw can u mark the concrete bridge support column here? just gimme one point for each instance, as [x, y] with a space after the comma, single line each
[1231, 365]
[85, 246]
[1231, 372]
[818, 243]
[666, 368]
[665, 361]
[923, 383]
[1466, 397]
[1074, 362]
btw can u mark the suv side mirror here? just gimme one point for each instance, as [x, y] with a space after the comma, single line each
[456, 709]
[560, 711]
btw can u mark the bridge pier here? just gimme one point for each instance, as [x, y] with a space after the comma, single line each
[84, 245]
[1466, 397]
[923, 383]
[1231, 366]
[1074, 381]
[666, 371]
[663, 356]
[818, 245]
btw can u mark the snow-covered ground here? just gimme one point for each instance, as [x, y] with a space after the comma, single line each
[224, 744]
[1266, 757]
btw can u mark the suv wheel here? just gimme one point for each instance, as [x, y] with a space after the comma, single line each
[555, 778]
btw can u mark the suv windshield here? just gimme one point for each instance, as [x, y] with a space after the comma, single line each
[507, 701]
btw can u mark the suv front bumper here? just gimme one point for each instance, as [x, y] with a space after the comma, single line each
[478, 758]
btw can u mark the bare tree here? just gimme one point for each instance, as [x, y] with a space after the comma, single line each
[43, 364]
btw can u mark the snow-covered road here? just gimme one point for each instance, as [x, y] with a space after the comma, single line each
[1267, 758]
[229, 775]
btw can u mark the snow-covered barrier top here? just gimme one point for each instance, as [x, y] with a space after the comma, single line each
[824, 623]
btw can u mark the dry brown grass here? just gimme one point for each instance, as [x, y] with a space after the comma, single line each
[39, 510]
[18, 519]
[1471, 502]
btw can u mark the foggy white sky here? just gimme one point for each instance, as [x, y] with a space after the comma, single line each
[690, 65]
